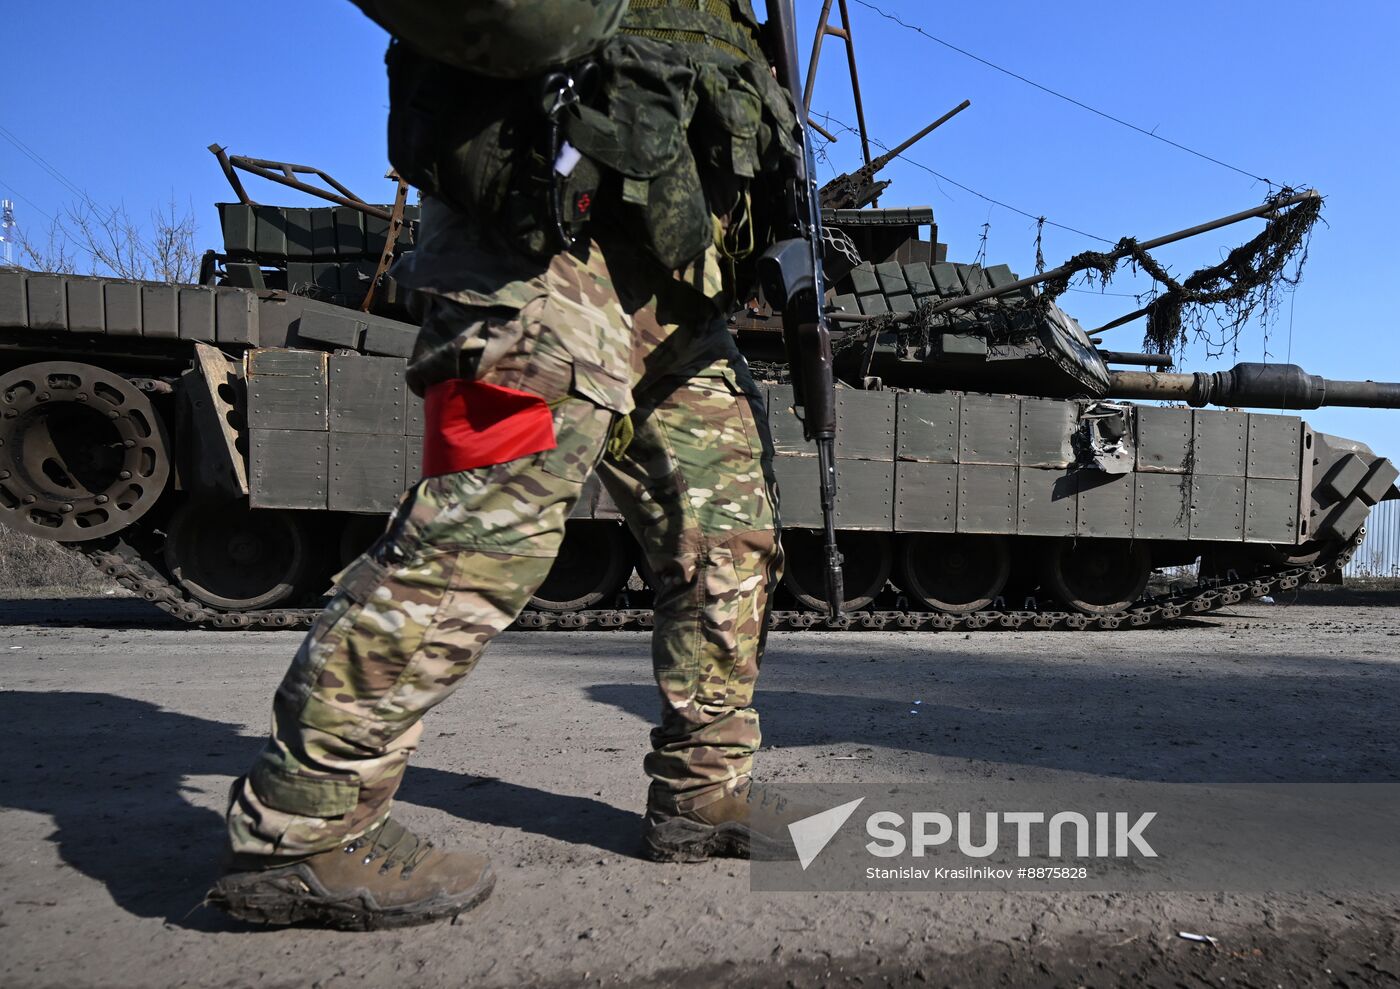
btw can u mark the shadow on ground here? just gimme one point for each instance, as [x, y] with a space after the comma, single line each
[112, 771]
[1303, 719]
[1321, 596]
[93, 612]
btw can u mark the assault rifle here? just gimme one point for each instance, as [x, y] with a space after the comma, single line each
[791, 275]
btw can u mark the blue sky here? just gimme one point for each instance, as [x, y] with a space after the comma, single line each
[123, 99]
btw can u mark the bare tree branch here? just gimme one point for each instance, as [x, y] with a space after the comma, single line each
[115, 244]
[53, 254]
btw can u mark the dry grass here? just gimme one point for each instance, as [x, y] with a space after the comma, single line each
[26, 562]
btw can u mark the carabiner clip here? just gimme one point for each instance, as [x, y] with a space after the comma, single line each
[559, 94]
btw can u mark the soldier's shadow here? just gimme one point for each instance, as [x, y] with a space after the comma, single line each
[115, 613]
[113, 773]
[497, 803]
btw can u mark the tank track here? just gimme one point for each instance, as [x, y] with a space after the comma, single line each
[121, 561]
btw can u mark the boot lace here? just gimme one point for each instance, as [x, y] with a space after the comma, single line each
[394, 844]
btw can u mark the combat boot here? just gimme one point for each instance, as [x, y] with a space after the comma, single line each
[751, 819]
[388, 877]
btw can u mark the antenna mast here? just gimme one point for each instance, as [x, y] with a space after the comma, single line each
[7, 229]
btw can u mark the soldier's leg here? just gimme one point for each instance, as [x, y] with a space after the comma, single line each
[696, 485]
[460, 560]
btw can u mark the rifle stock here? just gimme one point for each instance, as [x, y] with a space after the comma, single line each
[791, 275]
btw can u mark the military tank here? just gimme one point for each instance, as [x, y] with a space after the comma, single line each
[223, 448]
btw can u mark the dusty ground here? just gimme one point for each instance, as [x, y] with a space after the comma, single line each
[120, 732]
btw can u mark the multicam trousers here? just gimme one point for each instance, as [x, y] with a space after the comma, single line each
[464, 552]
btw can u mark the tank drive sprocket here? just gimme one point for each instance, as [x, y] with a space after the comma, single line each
[83, 454]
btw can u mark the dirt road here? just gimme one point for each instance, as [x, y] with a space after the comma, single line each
[121, 732]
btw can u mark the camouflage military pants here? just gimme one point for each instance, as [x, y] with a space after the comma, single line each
[464, 553]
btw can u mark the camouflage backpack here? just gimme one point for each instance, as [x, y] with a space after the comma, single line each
[509, 39]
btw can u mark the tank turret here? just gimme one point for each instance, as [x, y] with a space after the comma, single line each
[943, 325]
[1033, 347]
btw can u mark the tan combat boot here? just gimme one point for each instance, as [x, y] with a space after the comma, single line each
[750, 819]
[388, 877]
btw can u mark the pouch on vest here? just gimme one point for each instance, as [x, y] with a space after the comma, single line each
[727, 123]
[641, 135]
[481, 145]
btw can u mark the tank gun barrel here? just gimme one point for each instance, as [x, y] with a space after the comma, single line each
[1267, 386]
[854, 190]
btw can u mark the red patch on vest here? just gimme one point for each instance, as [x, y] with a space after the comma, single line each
[469, 424]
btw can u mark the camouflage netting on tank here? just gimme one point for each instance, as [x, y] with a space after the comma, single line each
[1245, 283]
[1242, 285]
[773, 372]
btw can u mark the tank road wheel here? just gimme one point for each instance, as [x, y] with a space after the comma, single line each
[868, 560]
[236, 558]
[592, 566]
[1097, 576]
[82, 452]
[359, 533]
[956, 573]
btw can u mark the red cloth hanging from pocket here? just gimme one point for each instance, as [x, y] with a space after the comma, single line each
[468, 424]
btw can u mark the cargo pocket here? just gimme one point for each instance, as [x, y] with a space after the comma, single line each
[708, 427]
[732, 404]
[354, 585]
[602, 386]
[583, 423]
[458, 340]
[537, 367]
[386, 633]
[298, 793]
[359, 580]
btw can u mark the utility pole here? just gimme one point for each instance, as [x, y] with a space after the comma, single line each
[7, 229]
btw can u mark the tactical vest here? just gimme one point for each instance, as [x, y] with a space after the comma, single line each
[685, 116]
[692, 117]
[728, 26]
